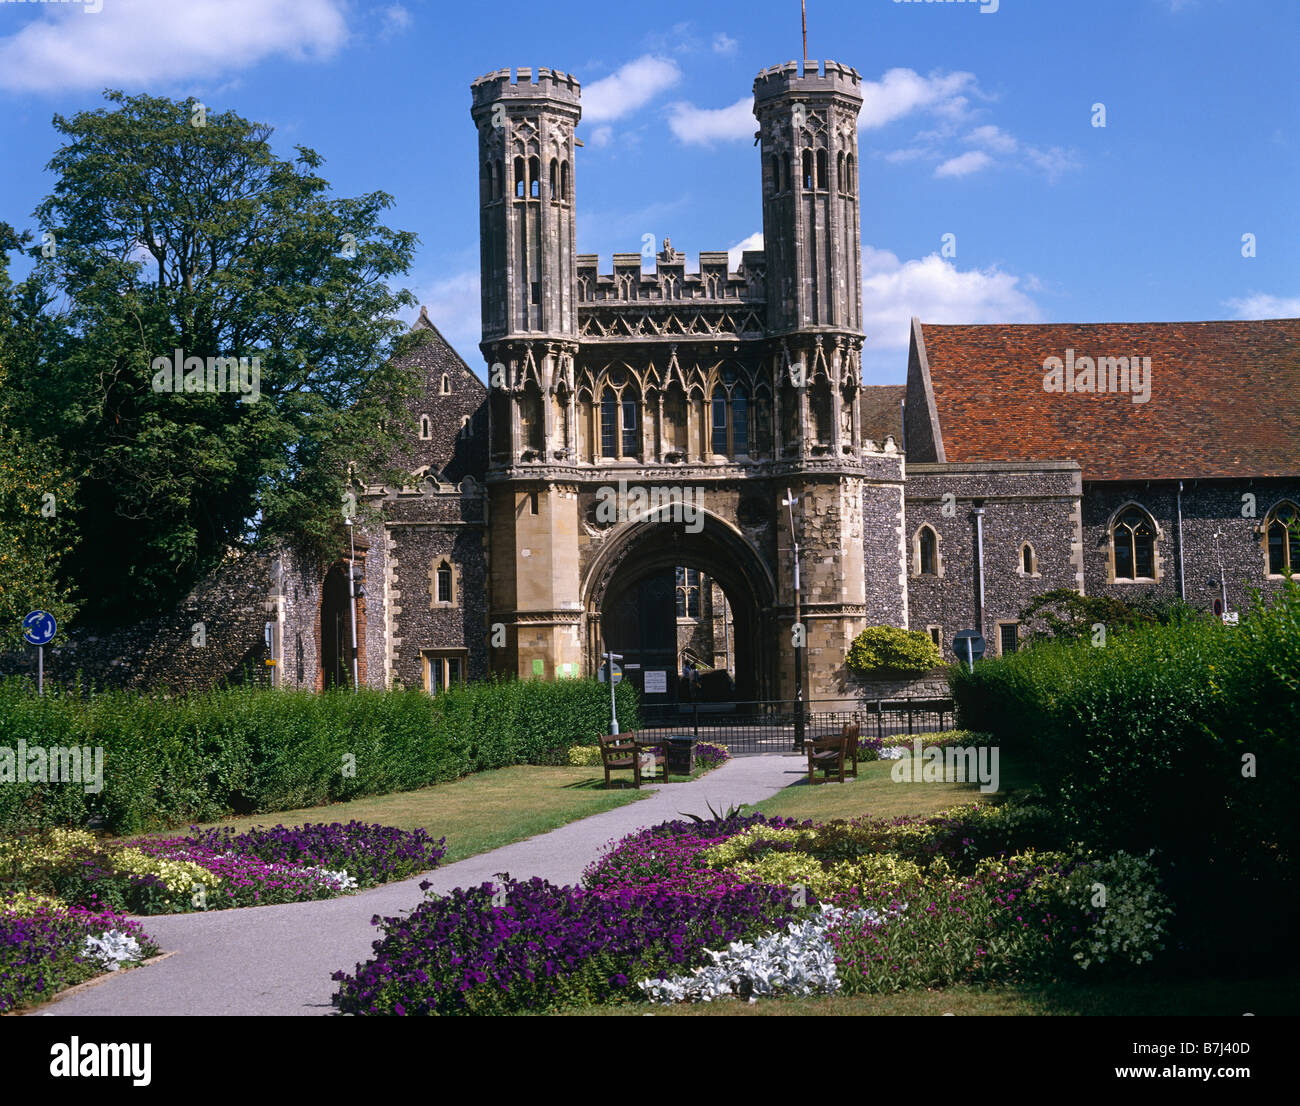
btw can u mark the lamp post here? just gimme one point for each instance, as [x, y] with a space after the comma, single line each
[797, 631]
[352, 601]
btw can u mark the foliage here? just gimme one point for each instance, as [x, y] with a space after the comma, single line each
[169, 235]
[511, 946]
[889, 649]
[1178, 737]
[172, 761]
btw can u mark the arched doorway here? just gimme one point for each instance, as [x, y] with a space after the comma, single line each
[631, 601]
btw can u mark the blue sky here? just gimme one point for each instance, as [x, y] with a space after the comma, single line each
[978, 123]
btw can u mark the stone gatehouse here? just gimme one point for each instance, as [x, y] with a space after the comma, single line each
[720, 410]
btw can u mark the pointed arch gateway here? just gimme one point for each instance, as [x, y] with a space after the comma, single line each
[642, 556]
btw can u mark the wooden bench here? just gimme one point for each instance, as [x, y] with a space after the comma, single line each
[851, 732]
[621, 752]
[827, 755]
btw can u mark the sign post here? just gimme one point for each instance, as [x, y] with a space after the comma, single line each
[39, 629]
[970, 644]
[615, 676]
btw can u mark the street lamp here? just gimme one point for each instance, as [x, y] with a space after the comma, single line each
[796, 634]
[352, 600]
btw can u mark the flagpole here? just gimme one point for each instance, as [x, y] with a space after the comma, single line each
[803, 18]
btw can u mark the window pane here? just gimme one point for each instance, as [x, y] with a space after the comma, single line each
[719, 423]
[453, 671]
[1144, 551]
[435, 674]
[681, 602]
[740, 423]
[1123, 554]
[608, 425]
[1009, 636]
[444, 584]
[631, 444]
[1277, 548]
[927, 551]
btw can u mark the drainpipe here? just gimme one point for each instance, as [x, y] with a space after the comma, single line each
[1182, 583]
[979, 568]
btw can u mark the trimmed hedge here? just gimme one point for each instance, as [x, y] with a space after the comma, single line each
[171, 761]
[1184, 738]
[883, 649]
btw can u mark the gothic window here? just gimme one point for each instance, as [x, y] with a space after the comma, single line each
[1134, 540]
[1028, 560]
[688, 592]
[808, 170]
[675, 419]
[519, 178]
[740, 423]
[849, 168]
[530, 417]
[1283, 529]
[840, 181]
[609, 424]
[555, 177]
[564, 179]
[534, 178]
[820, 402]
[445, 385]
[465, 428]
[927, 552]
[444, 583]
[719, 423]
[821, 169]
[631, 428]
[426, 428]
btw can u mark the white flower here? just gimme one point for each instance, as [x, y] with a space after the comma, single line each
[112, 949]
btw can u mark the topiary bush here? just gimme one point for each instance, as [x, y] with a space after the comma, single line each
[888, 649]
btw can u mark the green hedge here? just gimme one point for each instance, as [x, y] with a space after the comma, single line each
[1184, 738]
[883, 649]
[170, 761]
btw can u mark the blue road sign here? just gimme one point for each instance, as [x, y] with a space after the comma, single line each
[972, 651]
[39, 628]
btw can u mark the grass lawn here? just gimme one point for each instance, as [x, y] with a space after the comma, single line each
[1164, 998]
[476, 813]
[875, 793]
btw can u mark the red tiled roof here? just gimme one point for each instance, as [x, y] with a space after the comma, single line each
[1224, 401]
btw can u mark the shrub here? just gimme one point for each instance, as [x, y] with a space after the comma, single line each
[889, 649]
[584, 756]
[201, 757]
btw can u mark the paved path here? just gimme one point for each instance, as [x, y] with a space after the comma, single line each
[278, 959]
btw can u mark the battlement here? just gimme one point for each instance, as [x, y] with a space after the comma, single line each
[525, 84]
[715, 279]
[815, 78]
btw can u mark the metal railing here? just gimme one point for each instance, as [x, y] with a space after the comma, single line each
[771, 725]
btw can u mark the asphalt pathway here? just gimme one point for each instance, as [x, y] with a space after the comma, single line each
[278, 959]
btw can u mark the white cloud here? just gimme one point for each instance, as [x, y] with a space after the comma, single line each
[903, 91]
[1260, 305]
[723, 43]
[628, 88]
[993, 138]
[138, 42]
[395, 18]
[1053, 162]
[936, 291]
[703, 126]
[600, 137]
[753, 242]
[455, 307]
[972, 161]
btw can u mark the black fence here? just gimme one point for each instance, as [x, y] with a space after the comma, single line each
[772, 727]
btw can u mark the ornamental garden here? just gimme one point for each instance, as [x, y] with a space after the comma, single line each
[1144, 823]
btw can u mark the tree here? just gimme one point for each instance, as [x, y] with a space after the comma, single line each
[175, 231]
[1069, 616]
[37, 492]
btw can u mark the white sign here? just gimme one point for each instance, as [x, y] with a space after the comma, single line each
[656, 682]
[1230, 618]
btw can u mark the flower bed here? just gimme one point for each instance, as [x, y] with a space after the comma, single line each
[747, 906]
[46, 947]
[216, 868]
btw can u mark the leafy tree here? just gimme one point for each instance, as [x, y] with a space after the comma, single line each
[37, 492]
[1069, 616]
[889, 649]
[176, 231]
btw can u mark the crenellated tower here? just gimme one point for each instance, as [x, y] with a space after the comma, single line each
[526, 122]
